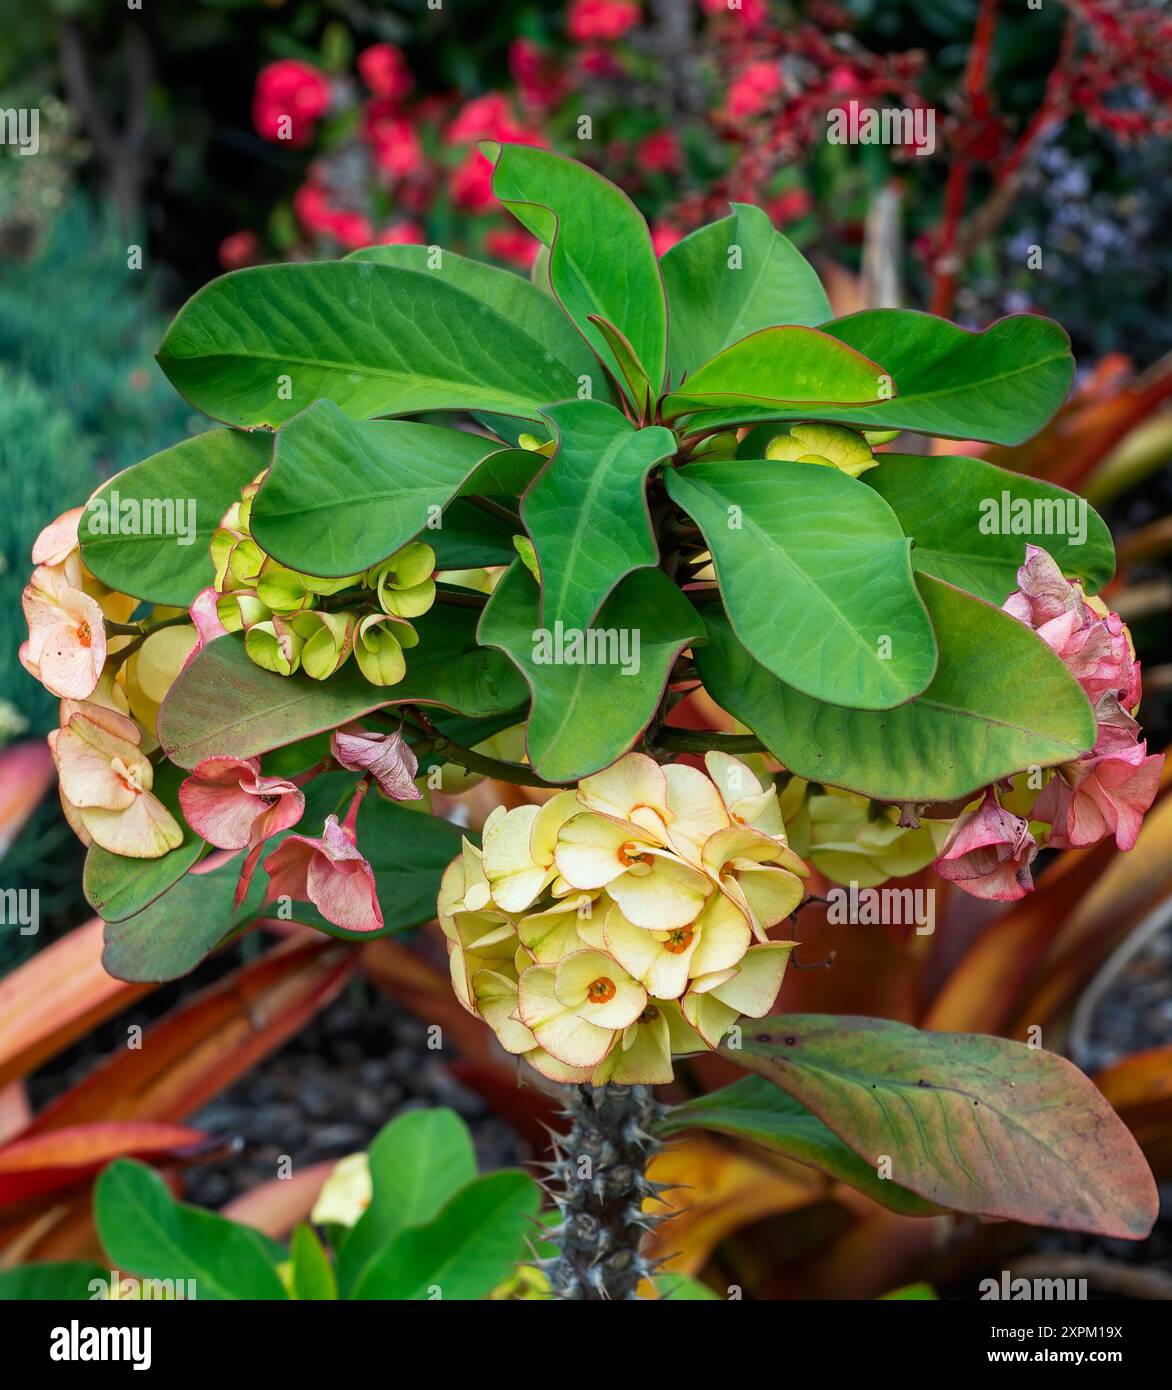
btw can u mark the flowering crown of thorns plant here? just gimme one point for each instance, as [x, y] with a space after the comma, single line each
[493, 526]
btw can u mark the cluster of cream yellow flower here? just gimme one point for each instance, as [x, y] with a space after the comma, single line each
[625, 920]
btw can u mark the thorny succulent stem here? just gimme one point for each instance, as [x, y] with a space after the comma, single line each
[598, 1181]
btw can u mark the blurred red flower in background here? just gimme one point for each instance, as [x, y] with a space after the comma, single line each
[290, 98]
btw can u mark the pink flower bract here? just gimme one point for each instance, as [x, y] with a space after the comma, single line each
[328, 872]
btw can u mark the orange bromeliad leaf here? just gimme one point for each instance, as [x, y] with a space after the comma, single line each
[218, 1035]
[55, 998]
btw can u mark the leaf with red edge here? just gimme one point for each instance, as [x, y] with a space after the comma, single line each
[64, 1158]
[974, 1123]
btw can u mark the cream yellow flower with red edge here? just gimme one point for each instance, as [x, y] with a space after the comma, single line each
[714, 1002]
[758, 871]
[643, 1054]
[746, 799]
[665, 962]
[577, 1008]
[567, 926]
[519, 848]
[463, 888]
[479, 941]
[106, 784]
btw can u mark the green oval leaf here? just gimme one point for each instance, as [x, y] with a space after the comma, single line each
[514, 298]
[587, 509]
[223, 705]
[342, 495]
[601, 258]
[1000, 385]
[257, 346]
[584, 715]
[729, 279]
[971, 522]
[469, 1248]
[781, 369]
[145, 1231]
[974, 1123]
[844, 621]
[164, 511]
[1001, 701]
[418, 1163]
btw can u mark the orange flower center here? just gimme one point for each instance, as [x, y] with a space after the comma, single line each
[128, 776]
[679, 940]
[83, 634]
[649, 1014]
[600, 991]
[630, 853]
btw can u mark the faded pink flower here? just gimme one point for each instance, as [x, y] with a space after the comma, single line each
[1106, 792]
[328, 872]
[1044, 593]
[387, 757]
[105, 782]
[66, 647]
[205, 614]
[58, 541]
[988, 853]
[230, 804]
[1092, 643]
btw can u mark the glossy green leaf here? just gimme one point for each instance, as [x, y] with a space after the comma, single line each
[639, 390]
[601, 258]
[343, 494]
[145, 1231]
[816, 577]
[973, 1123]
[755, 1110]
[1000, 385]
[471, 538]
[312, 1273]
[587, 510]
[782, 369]
[729, 279]
[53, 1280]
[506, 473]
[465, 1251]
[585, 716]
[222, 704]
[513, 297]
[176, 498]
[117, 887]
[418, 1163]
[168, 938]
[257, 346]
[971, 522]
[1001, 701]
